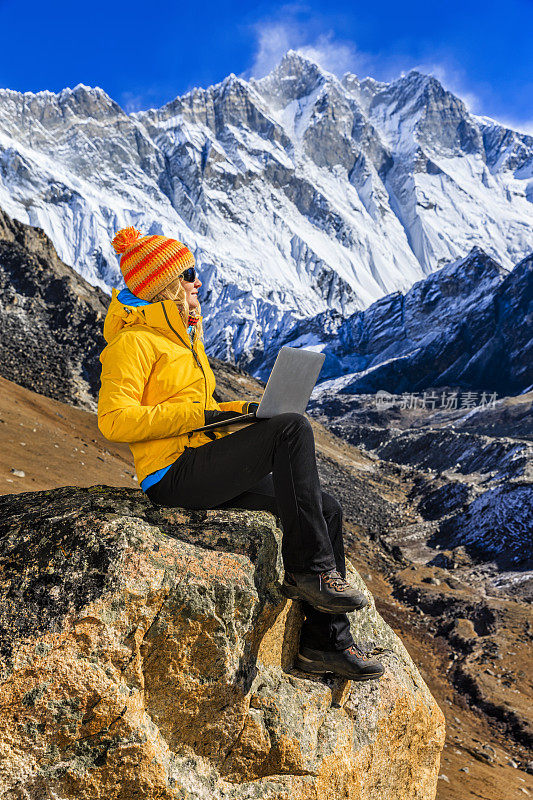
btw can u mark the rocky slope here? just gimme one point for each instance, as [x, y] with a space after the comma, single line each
[464, 553]
[478, 676]
[45, 443]
[299, 193]
[50, 318]
[474, 486]
[149, 651]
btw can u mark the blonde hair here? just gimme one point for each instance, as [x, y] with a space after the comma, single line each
[175, 291]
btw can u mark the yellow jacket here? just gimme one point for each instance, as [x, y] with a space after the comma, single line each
[155, 385]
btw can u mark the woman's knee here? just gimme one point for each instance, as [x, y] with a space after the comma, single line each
[292, 420]
[331, 506]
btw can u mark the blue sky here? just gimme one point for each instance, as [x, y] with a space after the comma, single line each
[144, 54]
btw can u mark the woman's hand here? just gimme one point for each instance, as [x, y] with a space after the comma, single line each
[219, 416]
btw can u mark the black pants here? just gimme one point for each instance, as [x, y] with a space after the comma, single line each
[270, 465]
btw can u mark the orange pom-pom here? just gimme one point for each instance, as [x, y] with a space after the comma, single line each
[125, 238]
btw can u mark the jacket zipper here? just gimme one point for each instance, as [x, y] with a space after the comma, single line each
[190, 348]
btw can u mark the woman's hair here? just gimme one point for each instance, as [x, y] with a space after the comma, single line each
[176, 291]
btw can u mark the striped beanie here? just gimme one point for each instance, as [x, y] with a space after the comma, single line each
[149, 263]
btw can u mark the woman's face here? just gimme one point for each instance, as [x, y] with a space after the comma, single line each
[191, 291]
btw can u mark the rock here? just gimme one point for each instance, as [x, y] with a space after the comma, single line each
[19, 473]
[463, 634]
[480, 755]
[455, 584]
[151, 650]
[464, 769]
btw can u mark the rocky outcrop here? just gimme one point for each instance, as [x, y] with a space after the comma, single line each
[51, 319]
[148, 653]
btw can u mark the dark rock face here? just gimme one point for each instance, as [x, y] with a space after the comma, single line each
[496, 525]
[50, 319]
[490, 639]
[57, 572]
[468, 325]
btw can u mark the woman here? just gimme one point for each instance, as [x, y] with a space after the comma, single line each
[157, 386]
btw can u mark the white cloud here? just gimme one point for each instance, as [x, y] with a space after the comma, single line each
[273, 41]
[522, 126]
[336, 56]
[287, 31]
[274, 38]
[130, 102]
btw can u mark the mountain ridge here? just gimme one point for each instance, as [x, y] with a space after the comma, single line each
[299, 192]
[468, 324]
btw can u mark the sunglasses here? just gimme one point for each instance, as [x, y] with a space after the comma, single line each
[189, 275]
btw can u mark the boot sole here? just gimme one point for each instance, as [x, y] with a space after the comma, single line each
[293, 594]
[315, 669]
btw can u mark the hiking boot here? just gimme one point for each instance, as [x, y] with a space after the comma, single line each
[326, 591]
[352, 663]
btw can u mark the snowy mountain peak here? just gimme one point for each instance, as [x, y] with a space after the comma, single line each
[408, 90]
[294, 61]
[45, 96]
[38, 116]
[416, 78]
[419, 116]
[83, 89]
[465, 325]
[89, 101]
[294, 78]
[362, 91]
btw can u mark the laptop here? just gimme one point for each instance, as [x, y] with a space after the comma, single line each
[288, 388]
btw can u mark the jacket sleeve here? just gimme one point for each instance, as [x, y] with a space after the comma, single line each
[234, 405]
[126, 366]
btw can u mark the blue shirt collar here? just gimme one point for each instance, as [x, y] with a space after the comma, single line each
[130, 299]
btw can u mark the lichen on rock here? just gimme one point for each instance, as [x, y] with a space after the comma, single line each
[147, 653]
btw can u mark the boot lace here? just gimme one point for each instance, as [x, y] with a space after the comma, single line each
[334, 579]
[354, 650]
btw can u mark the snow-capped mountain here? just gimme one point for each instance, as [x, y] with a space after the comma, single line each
[299, 193]
[469, 324]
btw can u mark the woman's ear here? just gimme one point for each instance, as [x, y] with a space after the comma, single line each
[170, 292]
